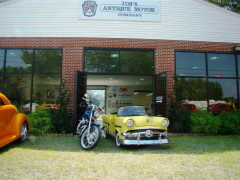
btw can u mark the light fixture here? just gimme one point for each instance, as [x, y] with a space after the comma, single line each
[236, 48]
[142, 79]
[114, 55]
[195, 67]
[110, 78]
[214, 58]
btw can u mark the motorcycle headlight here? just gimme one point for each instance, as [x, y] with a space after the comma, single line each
[96, 114]
[165, 122]
[130, 123]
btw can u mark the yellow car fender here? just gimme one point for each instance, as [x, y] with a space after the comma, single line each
[109, 122]
[118, 131]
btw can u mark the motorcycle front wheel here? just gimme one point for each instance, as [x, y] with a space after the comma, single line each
[91, 140]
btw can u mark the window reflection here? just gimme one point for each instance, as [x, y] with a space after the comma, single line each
[47, 61]
[238, 58]
[17, 87]
[222, 89]
[136, 62]
[190, 64]
[17, 76]
[221, 65]
[19, 60]
[101, 61]
[1, 59]
[220, 78]
[46, 88]
[192, 91]
[108, 61]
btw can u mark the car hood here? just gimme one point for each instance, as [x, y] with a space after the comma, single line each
[145, 121]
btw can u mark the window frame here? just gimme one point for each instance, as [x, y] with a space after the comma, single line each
[32, 72]
[119, 50]
[237, 69]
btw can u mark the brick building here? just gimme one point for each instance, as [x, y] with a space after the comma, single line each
[120, 49]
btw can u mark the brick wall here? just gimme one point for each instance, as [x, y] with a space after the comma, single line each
[73, 51]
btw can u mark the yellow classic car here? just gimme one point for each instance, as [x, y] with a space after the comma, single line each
[13, 125]
[132, 126]
[50, 106]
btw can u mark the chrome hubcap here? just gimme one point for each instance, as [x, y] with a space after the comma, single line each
[24, 131]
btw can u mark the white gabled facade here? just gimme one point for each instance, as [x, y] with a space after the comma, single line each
[190, 20]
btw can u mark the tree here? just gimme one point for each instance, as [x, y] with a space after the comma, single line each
[232, 5]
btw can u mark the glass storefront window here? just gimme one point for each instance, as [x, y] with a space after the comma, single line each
[1, 82]
[221, 65]
[192, 91]
[119, 61]
[17, 87]
[1, 67]
[19, 60]
[190, 64]
[47, 60]
[238, 58]
[101, 61]
[222, 89]
[1, 59]
[17, 76]
[220, 82]
[46, 88]
[136, 62]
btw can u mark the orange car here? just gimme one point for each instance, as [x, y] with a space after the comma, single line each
[13, 125]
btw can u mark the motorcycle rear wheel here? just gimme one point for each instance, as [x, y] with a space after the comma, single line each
[90, 141]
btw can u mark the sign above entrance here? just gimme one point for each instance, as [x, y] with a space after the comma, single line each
[119, 10]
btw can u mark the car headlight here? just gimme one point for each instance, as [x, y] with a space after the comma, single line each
[130, 123]
[165, 122]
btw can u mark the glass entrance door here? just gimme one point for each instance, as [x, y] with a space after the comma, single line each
[160, 95]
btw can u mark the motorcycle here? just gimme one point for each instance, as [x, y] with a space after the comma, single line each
[88, 130]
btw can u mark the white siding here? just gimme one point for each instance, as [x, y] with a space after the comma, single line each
[194, 20]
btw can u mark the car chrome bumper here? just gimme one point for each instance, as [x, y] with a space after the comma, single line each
[144, 142]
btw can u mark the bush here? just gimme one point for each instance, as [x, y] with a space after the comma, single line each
[179, 121]
[53, 120]
[230, 123]
[41, 122]
[204, 122]
[62, 117]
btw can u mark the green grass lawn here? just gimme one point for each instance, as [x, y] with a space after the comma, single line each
[187, 157]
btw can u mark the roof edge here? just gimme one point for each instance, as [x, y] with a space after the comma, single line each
[5, 3]
[218, 7]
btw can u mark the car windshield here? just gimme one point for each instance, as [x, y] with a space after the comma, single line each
[132, 111]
